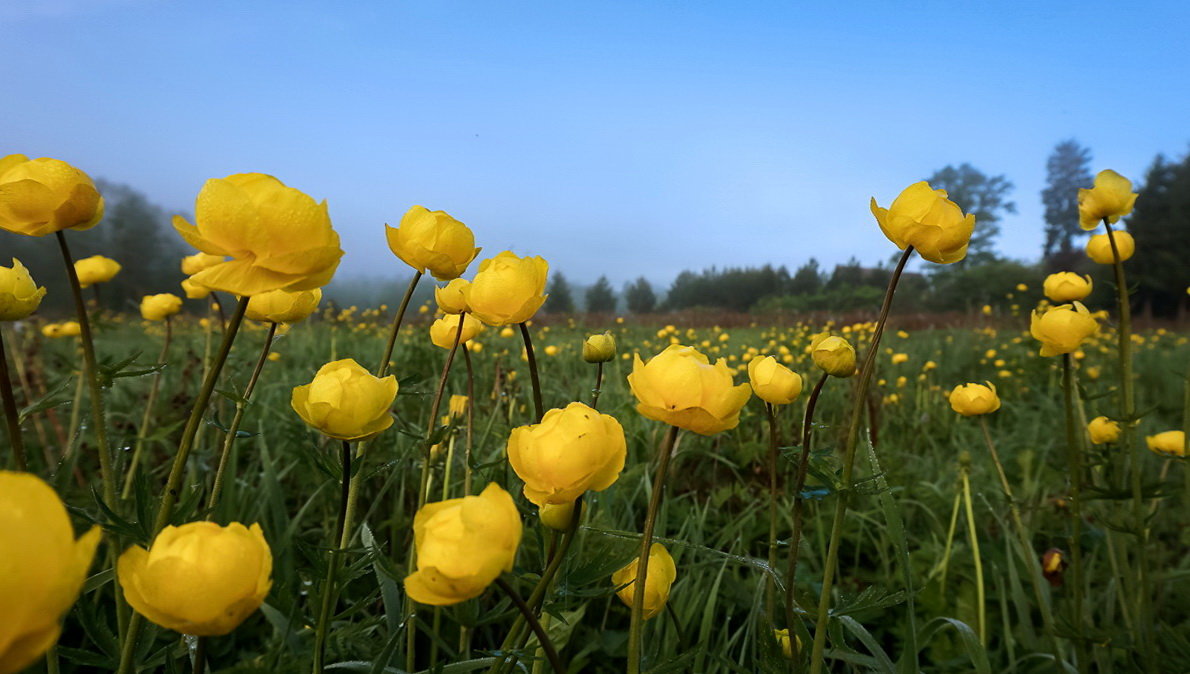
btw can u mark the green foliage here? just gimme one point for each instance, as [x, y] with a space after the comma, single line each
[1067, 169]
[601, 299]
[560, 300]
[639, 296]
[1161, 225]
[732, 288]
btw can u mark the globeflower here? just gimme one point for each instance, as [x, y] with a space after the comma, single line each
[571, 451]
[159, 307]
[833, 355]
[43, 196]
[345, 401]
[1066, 286]
[444, 330]
[599, 348]
[974, 399]
[283, 306]
[96, 269]
[1170, 443]
[924, 218]
[1110, 199]
[19, 295]
[462, 545]
[60, 330]
[432, 241]
[680, 387]
[199, 578]
[195, 291]
[1103, 430]
[772, 382]
[507, 289]
[450, 297]
[1099, 247]
[192, 264]
[660, 577]
[44, 567]
[276, 236]
[1062, 329]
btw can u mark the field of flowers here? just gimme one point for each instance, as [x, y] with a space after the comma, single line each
[269, 484]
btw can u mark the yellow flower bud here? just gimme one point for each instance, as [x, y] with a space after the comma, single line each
[444, 330]
[198, 578]
[276, 236]
[661, 574]
[833, 355]
[1099, 247]
[924, 218]
[1170, 443]
[772, 382]
[1103, 430]
[195, 291]
[787, 645]
[96, 269]
[507, 289]
[599, 348]
[557, 516]
[43, 196]
[60, 330]
[974, 399]
[43, 567]
[159, 307]
[432, 241]
[19, 295]
[345, 401]
[457, 406]
[1062, 329]
[572, 450]
[898, 358]
[192, 264]
[1110, 199]
[680, 387]
[462, 545]
[283, 306]
[450, 297]
[1066, 286]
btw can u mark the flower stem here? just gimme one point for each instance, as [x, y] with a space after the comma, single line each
[538, 407]
[147, 418]
[232, 430]
[332, 568]
[1074, 464]
[598, 386]
[795, 539]
[11, 417]
[635, 629]
[551, 653]
[382, 368]
[469, 435]
[857, 412]
[973, 535]
[770, 598]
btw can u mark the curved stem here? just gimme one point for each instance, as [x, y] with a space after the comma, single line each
[147, 418]
[973, 535]
[538, 407]
[242, 404]
[11, 417]
[551, 653]
[332, 568]
[857, 412]
[795, 540]
[382, 368]
[1074, 467]
[598, 386]
[636, 626]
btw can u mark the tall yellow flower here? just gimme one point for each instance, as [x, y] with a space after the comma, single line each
[680, 387]
[1099, 247]
[276, 236]
[43, 196]
[42, 567]
[1062, 329]
[444, 330]
[833, 355]
[432, 241]
[772, 382]
[345, 401]
[924, 218]
[450, 297]
[1110, 199]
[571, 451]
[1169, 443]
[283, 306]
[507, 289]
[19, 294]
[96, 269]
[160, 306]
[660, 577]
[972, 400]
[1066, 286]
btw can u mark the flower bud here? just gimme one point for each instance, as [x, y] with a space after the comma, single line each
[557, 516]
[1103, 430]
[786, 644]
[199, 578]
[60, 330]
[43, 196]
[96, 269]
[680, 387]
[599, 348]
[192, 264]
[195, 291]
[432, 241]
[507, 289]
[1170, 443]
[1099, 247]
[19, 295]
[1062, 329]
[924, 218]
[345, 401]
[772, 382]
[444, 330]
[570, 451]
[661, 575]
[833, 355]
[974, 399]
[450, 297]
[159, 307]
[1066, 286]
[283, 306]
[1110, 199]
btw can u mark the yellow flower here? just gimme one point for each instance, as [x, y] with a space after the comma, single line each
[42, 567]
[1066, 286]
[1171, 443]
[345, 401]
[199, 578]
[507, 289]
[1111, 198]
[192, 264]
[1062, 329]
[462, 545]
[661, 574]
[195, 291]
[974, 399]
[599, 348]
[772, 382]
[785, 643]
[924, 218]
[277, 237]
[450, 297]
[833, 355]
[1103, 430]
[43, 196]
[898, 358]
[680, 387]
[445, 329]
[96, 269]
[457, 406]
[433, 241]
[571, 451]
[60, 330]
[1099, 247]
[283, 306]
[19, 295]
[557, 517]
[159, 307]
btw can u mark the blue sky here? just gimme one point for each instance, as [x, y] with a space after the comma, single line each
[610, 137]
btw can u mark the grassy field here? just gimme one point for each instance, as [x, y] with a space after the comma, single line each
[905, 524]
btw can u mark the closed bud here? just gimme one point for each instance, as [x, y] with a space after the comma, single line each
[599, 348]
[833, 355]
[974, 399]
[344, 401]
[661, 575]
[1099, 247]
[1103, 430]
[1169, 443]
[445, 330]
[283, 306]
[1066, 286]
[450, 297]
[19, 295]
[159, 307]
[772, 382]
[96, 269]
[557, 516]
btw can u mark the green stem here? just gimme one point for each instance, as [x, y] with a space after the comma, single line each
[973, 535]
[147, 418]
[1074, 463]
[598, 386]
[551, 653]
[636, 627]
[795, 539]
[857, 412]
[11, 417]
[332, 568]
[232, 430]
[200, 655]
[770, 598]
[538, 407]
[382, 369]
[469, 435]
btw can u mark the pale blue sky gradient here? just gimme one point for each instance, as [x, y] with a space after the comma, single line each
[609, 137]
